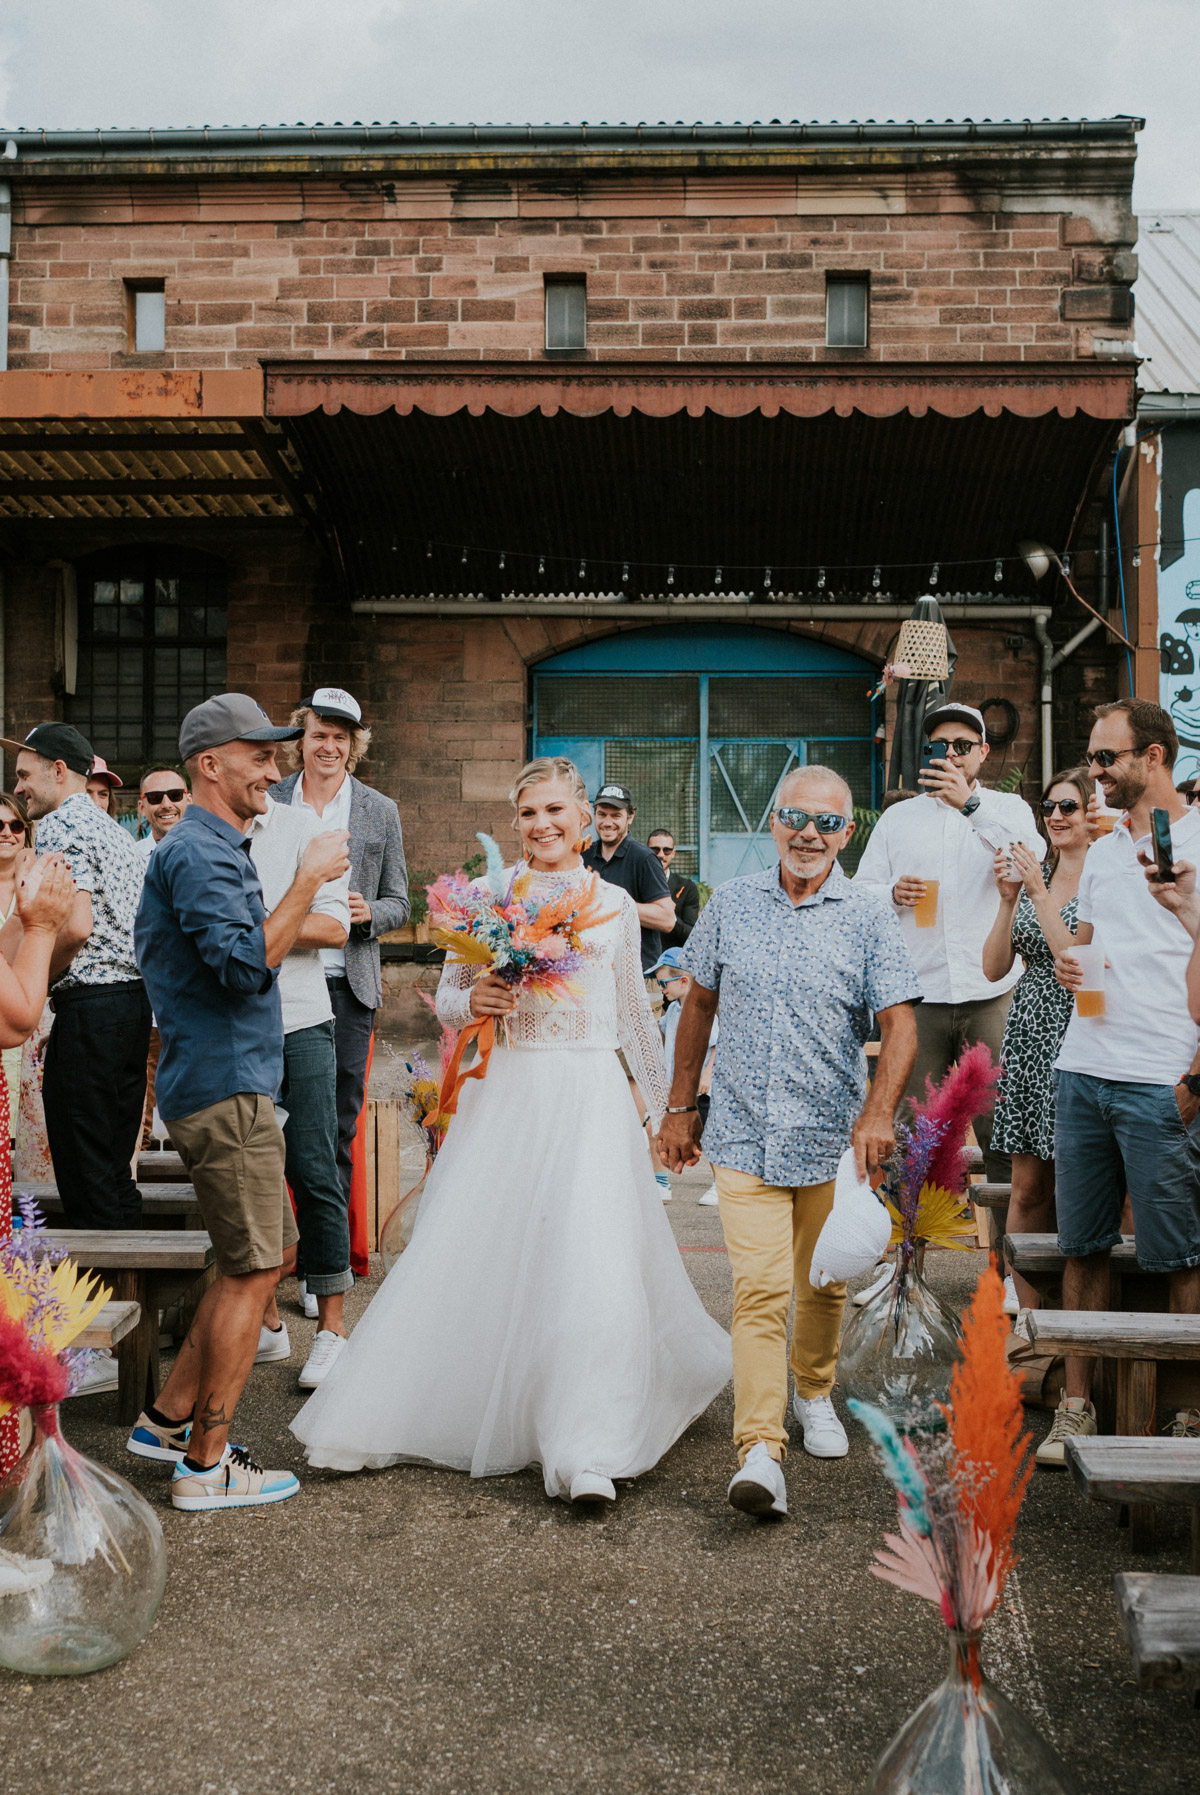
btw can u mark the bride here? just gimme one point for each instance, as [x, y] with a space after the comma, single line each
[541, 1314]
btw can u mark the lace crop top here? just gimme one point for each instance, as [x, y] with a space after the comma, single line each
[613, 1010]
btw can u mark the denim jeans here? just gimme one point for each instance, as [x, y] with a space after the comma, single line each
[310, 1136]
[353, 1025]
[1109, 1136]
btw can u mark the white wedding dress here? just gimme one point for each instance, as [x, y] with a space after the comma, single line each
[542, 1314]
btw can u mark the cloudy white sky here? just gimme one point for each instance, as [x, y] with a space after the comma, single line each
[174, 62]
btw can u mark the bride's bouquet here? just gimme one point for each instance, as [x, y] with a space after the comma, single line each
[534, 944]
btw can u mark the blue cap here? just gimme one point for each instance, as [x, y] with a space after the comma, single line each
[672, 958]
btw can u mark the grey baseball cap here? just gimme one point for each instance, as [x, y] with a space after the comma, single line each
[229, 717]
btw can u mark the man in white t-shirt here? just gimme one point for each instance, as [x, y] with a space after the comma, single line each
[1128, 1081]
[163, 796]
[950, 833]
[278, 838]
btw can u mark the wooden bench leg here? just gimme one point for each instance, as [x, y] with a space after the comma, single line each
[1137, 1388]
[137, 1353]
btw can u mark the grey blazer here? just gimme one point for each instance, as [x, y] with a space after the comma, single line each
[377, 869]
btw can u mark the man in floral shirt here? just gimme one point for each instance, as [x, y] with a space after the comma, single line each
[803, 963]
[95, 1069]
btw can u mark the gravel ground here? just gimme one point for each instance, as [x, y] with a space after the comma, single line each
[409, 1630]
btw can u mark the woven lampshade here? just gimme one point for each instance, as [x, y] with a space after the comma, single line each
[922, 648]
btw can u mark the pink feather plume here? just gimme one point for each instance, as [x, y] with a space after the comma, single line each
[969, 1090]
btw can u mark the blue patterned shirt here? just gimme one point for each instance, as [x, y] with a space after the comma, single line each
[799, 985]
[104, 862]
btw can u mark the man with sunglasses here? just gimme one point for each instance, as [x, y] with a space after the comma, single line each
[685, 893]
[803, 963]
[950, 833]
[163, 796]
[1127, 1114]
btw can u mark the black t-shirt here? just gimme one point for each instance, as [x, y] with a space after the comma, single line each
[636, 870]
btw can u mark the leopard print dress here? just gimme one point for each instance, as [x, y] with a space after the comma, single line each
[1037, 1022]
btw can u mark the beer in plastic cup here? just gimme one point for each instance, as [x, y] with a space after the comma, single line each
[925, 909]
[1089, 999]
[1104, 819]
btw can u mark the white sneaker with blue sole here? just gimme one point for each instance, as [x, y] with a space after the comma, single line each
[235, 1481]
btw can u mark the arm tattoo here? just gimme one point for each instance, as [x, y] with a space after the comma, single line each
[211, 1416]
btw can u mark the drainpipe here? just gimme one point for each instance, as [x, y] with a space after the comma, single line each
[1051, 660]
[10, 153]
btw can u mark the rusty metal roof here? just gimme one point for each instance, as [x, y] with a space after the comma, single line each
[142, 468]
[1168, 302]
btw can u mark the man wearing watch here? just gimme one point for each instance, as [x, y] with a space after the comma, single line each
[1127, 1113]
[949, 834]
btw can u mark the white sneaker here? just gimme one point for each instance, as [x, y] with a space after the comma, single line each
[308, 1304]
[591, 1488]
[758, 1488]
[824, 1435]
[863, 1297]
[1074, 1419]
[273, 1344]
[100, 1375]
[1012, 1302]
[325, 1349]
[664, 1189]
[709, 1199]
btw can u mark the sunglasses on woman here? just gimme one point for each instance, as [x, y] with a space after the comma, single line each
[828, 822]
[15, 827]
[1068, 806]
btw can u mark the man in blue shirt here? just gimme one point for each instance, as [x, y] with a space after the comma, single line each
[209, 955]
[802, 962]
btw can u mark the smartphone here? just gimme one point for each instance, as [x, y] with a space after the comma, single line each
[1164, 853]
[934, 751]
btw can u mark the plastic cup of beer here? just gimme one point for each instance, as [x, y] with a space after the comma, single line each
[925, 908]
[1089, 998]
[1103, 817]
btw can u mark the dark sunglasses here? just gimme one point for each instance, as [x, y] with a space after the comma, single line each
[1105, 757]
[828, 822]
[1194, 797]
[1068, 806]
[176, 795]
[662, 851]
[15, 827]
[961, 746]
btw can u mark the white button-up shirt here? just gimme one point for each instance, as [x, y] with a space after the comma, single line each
[1145, 1035]
[925, 838]
[336, 815]
[277, 843]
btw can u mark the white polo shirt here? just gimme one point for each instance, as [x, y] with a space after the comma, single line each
[1145, 1035]
[924, 838]
[278, 839]
[336, 815]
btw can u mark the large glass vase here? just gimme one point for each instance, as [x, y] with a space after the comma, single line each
[899, 1351]
[83, 1563]
[968, 1739]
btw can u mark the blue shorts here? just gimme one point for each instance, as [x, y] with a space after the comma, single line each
[1109, 1138]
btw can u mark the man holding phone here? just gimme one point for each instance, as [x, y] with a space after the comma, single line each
[1128, 1104]
[932, 859]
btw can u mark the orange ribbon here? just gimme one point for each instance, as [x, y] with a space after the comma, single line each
[454, 1079]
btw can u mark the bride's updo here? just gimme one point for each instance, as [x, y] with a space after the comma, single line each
[557, 766]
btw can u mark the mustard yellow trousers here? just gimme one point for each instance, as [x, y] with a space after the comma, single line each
[770, 1232]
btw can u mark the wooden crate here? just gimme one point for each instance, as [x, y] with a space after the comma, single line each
[393, 1163]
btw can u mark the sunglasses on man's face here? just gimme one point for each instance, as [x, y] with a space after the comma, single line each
[662, 852]
[176, 795]
[1194, 797]
[15, 827]
[1068, 806]
[961, 746]
[1106, 757]
[828, 822]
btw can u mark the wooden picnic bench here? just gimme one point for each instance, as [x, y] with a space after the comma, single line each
[160, 1168]
[150, 1270]
[1037, 1258]
[1132, 1470]
[1161, 1618]
[990, 1196]
[111, 1325]
[1137, 1341]
[172, 1205]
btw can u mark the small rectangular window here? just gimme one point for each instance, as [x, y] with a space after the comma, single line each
[147, 318]
[846, 305]
[566, 314]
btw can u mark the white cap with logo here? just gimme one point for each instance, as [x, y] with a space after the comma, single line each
[336, 705]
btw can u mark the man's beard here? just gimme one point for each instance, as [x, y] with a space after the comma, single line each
[1127, 790]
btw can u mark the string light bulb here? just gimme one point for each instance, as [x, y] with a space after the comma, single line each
[429, 551]
[464, 557]
[541, 563]
[625, 573]
[502, 562]
[998, 575]
[935, 573]
[671, 575]
[1137, 557]
[583, 570]
[875, 582]
[717, 577]
[820, 579]
[1066, 567]
[767, 579]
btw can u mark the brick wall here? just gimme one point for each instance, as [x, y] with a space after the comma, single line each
[308, 273]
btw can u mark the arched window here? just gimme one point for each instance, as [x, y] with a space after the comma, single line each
[151, 645]
[702, 722]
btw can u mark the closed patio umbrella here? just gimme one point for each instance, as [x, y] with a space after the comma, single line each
[931, 655]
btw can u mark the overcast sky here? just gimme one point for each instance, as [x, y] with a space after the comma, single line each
[230, 62]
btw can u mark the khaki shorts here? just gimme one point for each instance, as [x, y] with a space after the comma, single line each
[233, 1153]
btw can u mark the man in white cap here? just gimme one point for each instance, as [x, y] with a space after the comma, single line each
[333, 741]
[950, 834]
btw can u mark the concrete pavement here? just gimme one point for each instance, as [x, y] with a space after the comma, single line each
[411, 1630]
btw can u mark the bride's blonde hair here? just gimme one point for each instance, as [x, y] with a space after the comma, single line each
[554, 766]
